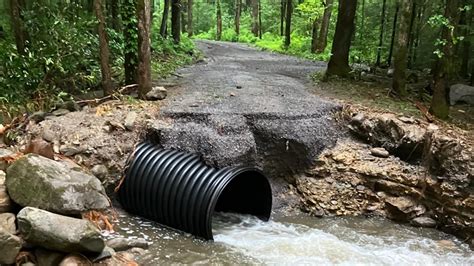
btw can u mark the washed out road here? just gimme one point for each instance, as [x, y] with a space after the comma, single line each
[241, 105]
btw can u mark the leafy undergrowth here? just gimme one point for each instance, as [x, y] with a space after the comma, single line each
[376, 96]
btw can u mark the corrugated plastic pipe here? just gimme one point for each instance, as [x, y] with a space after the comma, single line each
[179, 190]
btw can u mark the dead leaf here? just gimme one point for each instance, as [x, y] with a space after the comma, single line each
[11, 157]
[116, 125]
[99, 219]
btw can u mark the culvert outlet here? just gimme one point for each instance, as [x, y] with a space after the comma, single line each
[179, 190]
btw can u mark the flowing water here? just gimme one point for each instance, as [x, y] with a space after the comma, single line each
[299, 241]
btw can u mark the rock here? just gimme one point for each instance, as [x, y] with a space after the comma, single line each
[156, 93]
[40, 147]
[5, 202]
[71, 106]
[67, 150]
[60, 112]
[120, 258]
[57, 232]
[10, 246]
[122, 244]
[3, 153]
[7, 221]
[107, 252]
[37, 116]
[75, 260]
[402, 208]
[390, 72]
[380, 152]
[46, 257]
[461, 93]
[130, 120]
[49, 135]
[39, 182]
[100, 171]
[423, 222]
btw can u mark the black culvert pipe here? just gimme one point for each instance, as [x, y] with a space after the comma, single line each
[179, 190]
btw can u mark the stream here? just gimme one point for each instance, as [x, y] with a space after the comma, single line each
[298, 240]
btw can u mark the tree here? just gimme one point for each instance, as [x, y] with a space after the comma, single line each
[289, 11]
[164, 18]
[394, 31]
[19, 31]
[444, 67]
[190, 18]
[260, 19]
[339, 61]
[465, 49]
[144, 51]
[130, 34]
[254, 13]
[114, 12]
[219, 20]
[314, 36]
[175, 20]
[282, 16]
[382, 28]
[323, 32]
[104, 48]
[238, 10]
[400, 63]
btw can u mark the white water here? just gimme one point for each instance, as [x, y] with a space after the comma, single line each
[298, 241]
[286, 243]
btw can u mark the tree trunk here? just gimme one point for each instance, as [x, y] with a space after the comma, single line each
[164, 18]
[382, 28]
[260, 19]
[238, 10]
[394, 30]
[289, 11]
[400, 63]
[115, 11]
[444, 69]
[175, 20]
[144, 50]
[219, 20]
[130, 44]
[104, 48]
[362, 23]
[411, 34]
[314, 37]
[339, 61]
[183, 16]
[190, 18]
[417, 33]
[17, 25]
[323, 32]
[254, 14]
[282, 17]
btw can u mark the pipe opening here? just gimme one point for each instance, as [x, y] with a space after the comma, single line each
[247, 193]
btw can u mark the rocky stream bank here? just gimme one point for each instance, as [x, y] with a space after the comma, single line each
[57, 180]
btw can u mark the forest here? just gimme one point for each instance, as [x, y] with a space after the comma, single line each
[51, 50]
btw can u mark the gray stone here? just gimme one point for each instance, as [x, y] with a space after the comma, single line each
[461, 93]
[71, 106]
[121, 244]
[130, 120]
[3, 153]
[39, 182]
[75, 260]
[49, 135]
[57, 232]
[7, 221]
[107, 252]
[45, 257]
[68, 150]
[60, 112]
[100, 171]
[380, 152]
[5, 202]
[10, 246]
[37, 116]
[423, 222]
[390, 72]
[156, 93]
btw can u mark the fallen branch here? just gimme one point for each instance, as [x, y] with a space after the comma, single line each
[122, 90]
[425, 112]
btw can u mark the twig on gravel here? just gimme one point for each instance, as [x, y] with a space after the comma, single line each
[122, 90]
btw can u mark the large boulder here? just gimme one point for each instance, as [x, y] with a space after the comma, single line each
[39, 182]
[5, 202]
[57, 232]
[10, 246]
[461, 93]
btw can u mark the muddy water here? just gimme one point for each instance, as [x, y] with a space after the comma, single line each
[299, 241]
